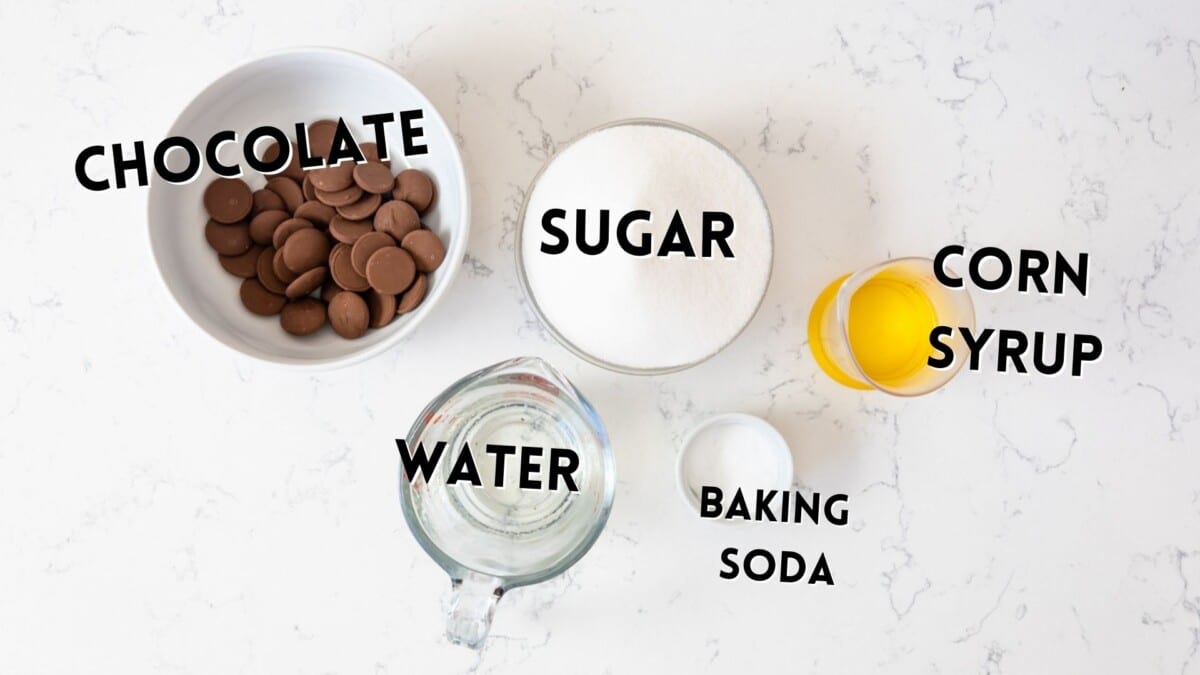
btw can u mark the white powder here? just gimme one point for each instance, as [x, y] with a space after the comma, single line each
[731, 455]
[647, 313]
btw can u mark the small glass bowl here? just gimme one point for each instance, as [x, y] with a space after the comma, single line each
[575, 349]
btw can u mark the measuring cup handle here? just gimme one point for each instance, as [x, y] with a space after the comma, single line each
[472, 604]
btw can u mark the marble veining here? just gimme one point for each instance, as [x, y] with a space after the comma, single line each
[169, 507]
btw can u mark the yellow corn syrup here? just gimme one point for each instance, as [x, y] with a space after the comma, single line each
[888, 327]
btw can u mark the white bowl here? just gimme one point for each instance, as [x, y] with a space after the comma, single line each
[301, 85]
[769, 464]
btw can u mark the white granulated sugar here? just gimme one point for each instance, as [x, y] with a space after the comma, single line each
[651, 312]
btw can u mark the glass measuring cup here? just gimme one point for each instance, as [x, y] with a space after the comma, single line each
[870, 329]
[491, 539]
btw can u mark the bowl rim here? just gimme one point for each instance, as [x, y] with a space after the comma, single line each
[453, 254]
[528, 291]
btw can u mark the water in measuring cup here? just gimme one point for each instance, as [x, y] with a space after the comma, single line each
[509, 509]
[510, 531]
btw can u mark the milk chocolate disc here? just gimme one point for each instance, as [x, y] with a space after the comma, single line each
[365, 246]
[333, 178]
[343, 272]
[348, 231]
[414, 187]
[307, 189]
[228, 239]
[259, 300]
[305, 249]
[265, 270]
[307, 283]
[288, 190]
[228, 200]
[370, 151]
[349, 315]
[426, 249]
[286, 229]
[413, 296]
[397, 218]
[271, 153]
[390, 270]
[341, 197]
[292, 170]
[374, 177]
[285, 275]
[303, 317]
[265, 200]
[243, 265]
[320, 137]
[262, 226]
[382, 306]
[363, 209]
[330, 289]
[316, 213]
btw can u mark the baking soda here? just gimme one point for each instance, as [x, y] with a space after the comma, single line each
[733, 456]
[662, 308]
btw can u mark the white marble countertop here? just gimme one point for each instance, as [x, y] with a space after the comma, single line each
[169, 507]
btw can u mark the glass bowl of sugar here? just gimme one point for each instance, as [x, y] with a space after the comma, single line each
[644, 246]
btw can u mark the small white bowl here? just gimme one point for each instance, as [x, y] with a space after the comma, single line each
[301, 85]
[772, 467]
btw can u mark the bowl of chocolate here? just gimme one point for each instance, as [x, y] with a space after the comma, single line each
[308, 208]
